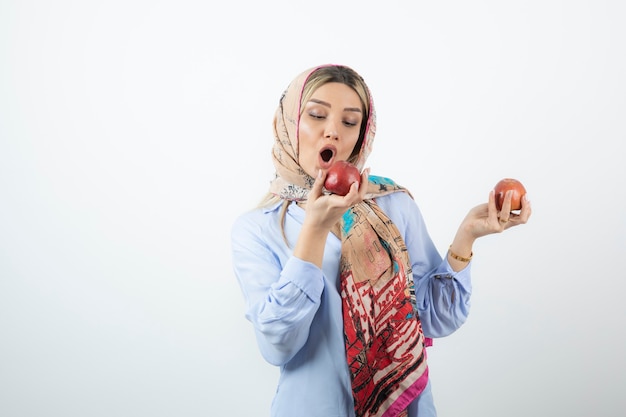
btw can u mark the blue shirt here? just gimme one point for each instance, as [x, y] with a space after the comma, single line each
[295, 307]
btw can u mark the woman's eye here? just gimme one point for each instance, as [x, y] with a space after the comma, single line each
[316, 115]
[349, 123]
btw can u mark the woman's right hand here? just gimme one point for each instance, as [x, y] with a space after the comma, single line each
[323, 211]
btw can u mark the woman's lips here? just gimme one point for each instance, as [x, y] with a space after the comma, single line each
[327, 156]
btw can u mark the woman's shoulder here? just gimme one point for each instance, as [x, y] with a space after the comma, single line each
[255, 218]
[400, 201]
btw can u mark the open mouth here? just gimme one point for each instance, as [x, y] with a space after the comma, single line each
[327, 154]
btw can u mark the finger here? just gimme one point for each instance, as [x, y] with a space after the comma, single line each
[492, 210]
[353, 195]
[318, 185]
[526, 209]
[524, 213]
[357, 192]
[506, 204]
[505, 212]
[354, 191]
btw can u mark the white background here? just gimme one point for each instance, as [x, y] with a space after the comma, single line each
[133, 132]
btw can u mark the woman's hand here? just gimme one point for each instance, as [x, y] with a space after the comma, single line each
[485, 219]
[323, 211]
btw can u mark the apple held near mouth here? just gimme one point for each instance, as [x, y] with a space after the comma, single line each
[505, 185]
[340, 177]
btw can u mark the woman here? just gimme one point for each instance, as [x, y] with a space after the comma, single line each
[345, 292]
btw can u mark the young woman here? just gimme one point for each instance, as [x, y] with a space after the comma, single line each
[345, 292]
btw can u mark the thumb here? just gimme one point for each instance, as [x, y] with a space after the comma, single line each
[318, 185]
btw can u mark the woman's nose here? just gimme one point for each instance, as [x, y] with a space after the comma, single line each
[330, 131]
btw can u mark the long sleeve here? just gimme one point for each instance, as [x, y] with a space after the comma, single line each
[442, 295]
[281, 299]
[295, 310]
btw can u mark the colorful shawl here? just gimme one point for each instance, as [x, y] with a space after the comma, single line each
[383, 334]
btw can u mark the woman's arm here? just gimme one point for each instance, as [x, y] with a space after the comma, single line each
[443, 286]
[442, 294]
[281, 300]
[283, 296]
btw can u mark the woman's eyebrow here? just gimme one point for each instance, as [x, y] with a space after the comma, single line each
[323, 103]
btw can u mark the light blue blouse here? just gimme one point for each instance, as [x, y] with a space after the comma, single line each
[295, 307]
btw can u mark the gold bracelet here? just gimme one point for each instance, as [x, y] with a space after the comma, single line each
[459, 258]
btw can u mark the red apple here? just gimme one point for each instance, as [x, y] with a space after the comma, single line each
[340, 177]
[505, 185]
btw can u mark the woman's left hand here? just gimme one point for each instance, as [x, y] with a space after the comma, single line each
[486, 219]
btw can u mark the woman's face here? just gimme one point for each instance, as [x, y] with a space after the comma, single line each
[329, 127]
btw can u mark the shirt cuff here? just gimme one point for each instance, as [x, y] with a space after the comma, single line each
[306, 276]
[463, 277]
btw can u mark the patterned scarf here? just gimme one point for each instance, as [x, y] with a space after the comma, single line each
[383, 334]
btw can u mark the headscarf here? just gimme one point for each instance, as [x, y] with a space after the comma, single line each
[291, 182]
[383, 333]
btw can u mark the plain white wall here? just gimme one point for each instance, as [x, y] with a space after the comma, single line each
[133, 132]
